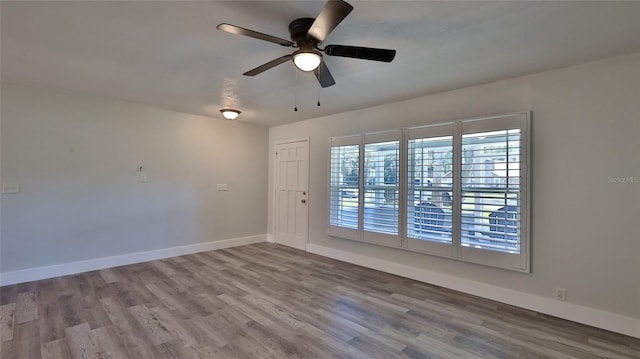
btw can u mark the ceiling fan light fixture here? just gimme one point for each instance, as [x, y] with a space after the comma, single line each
[307, 60]
[230, 114]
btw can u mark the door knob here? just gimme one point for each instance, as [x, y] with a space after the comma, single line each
[303, 201]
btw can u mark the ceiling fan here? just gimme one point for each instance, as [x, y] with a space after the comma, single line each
[306, 35]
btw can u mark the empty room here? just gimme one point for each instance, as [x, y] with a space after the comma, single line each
[319, 179]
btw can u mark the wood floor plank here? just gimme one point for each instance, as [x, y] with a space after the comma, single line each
[169, 300]
[70, 310]
[50, 322]
[128, 329]
[174, 325]
[273, 310]
[46, 291]
[82, 343]
[8, 294]
[373, 349]
[109, 343]
[109, 275]
[25, 343]
[26, 307]
[92, 313]
[7, 316]
[207, 332]
[156, 331]
[267, 301]
[250, 311]
[56, 349]
[279, 346]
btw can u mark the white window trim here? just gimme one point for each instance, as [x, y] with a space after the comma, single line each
[516, 262]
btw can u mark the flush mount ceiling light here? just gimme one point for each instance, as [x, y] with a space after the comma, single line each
[230, 114]
[307, 60]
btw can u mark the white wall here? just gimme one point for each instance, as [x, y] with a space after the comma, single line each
[585, 230]
[76, 158]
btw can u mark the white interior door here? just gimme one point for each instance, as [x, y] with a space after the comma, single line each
[292, 169]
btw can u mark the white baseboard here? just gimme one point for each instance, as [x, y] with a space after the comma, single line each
[31, 274]
[577, 313]
[270, 238]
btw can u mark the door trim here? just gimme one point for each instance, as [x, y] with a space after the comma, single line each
[274, 206]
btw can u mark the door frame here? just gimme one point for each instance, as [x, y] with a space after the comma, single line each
[274, 205]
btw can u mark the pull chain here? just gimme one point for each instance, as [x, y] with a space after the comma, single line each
[319, 69]
[295, 92]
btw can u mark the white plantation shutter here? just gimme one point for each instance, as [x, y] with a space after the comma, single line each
[457, 190]
[344, 188]
[430, 197]
[491, 190]
[381, 210]
[493, 182]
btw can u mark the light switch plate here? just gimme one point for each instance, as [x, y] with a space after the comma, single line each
[222, 187]
[10, 188]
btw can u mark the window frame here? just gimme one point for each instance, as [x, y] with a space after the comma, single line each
[339, 231]
[456, 250]
[414, 244]
[372, 236]
[515, 261]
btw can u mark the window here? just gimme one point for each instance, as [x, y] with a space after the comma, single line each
[382, 187]
[344, 191]
[491, 190]
[430, 189]
[494, 192]
[457, 189]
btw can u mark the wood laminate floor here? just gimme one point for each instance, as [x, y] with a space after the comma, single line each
[270, 301]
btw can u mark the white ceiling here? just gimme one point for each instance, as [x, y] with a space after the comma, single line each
[170, 55]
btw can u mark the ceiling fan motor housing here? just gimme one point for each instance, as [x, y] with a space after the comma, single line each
[299, 29]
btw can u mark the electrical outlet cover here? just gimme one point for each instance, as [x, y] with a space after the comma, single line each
[10, 188]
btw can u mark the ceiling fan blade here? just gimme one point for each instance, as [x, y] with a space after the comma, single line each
[365, 53]
[256, 35]
[331, 15]
[324, 76]
[262, 68]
